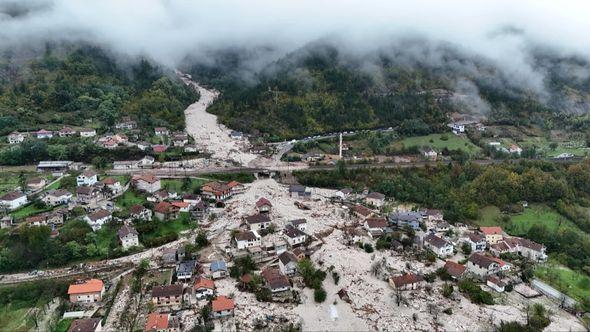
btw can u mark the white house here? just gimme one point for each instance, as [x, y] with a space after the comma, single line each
[375, 199]
[258, 222]
[87, 132]
[476, 241]
[147, 182]
[300, 224]
[440, 246]
[128, 237]
[222, 307]
[294, 236]
[515, 149]
[13, 200]
[343, 193]
[429, 154]
[204, 288]
[495, 284]
[57, 197]
[482, 265]
[247, 239]
[218, 269]
[457, 128]
[288, 263]
[43, 134]
[140, 212]
[16, 138]
[87, 178]
[97, 219]
[161, 131]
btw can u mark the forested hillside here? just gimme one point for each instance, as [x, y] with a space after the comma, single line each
[86, 87]
[322, 89]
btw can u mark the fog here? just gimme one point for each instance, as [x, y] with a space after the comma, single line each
[168, 31]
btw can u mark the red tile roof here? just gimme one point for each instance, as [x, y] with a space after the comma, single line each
[205, 283]
[156, 322]
[262, 202]
[454, 269]
[491, 230]
[89, 286]
[222, 303]
[406, 279]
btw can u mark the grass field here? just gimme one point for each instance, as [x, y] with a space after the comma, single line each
[170, 227]
[438, 142]
[54, 186]
[63, 325]
[573, 283]
[179, 185]
[130, 198]
[12, 319]
[105, 237]
[27, 211]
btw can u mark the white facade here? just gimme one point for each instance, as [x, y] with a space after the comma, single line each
[87, 133]
[14, 203]
[129, 240]
[86, 179]
[98, 223]
[16, 138]
[150, 187]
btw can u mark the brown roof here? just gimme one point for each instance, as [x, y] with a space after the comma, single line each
[204, 283]
[222, 303]
[85, 190]
[163, 207]
[274, 278]
[245, 236]
[262, 202]
[110, 181]
[377, 222]
[168, 290]
[494, 280]
[126, 230]
[137, 209]
[435, 241]
[58, 193]
[11, 196]
[376, 195]
[491, 230]
[88, 286]
[149, 178]
[232, 184]
[99, 214]
[156, 322]
[364, 211]
[406, 279]
[481, 260]
[287, 257]
[530, 244]
[257, 219]
[293, 232]
[84, 325]
[454, 269]
[475, 237]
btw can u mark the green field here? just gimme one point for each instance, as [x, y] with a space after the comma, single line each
[130, 198]
[63, 325]
[438, 143]
[187, 185]
[13, 319]
[573, 283]
[105, 238]
[54, 186]
[27, 211]
[164, 228]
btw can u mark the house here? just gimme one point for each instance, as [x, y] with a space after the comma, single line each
[13, 200]
[457, 128]
[88, 195]
[532, 250]
[16, 138]
[191, 149]
[343, 193]
[169, 295]
[192, 199]
[440, 246]
[166, 211]
[275, 280]
[182, 206]
[442, 227]
[87, 132]
[55, 167]
[375, 226]
[407, 281]
[126, 123]
[36, 183]
[236, 187]
[86, 325]
[218, 269]
[199, 211]
[299, 253]
[128, 237]
[161, 195]
[113, 184]
[86, 178]
[258, 222]
[66, 132]
[108, 143]
[247, 239]
[375, 199]
[159, 148]
[433, 215]
[482, 265]
[263, 205]
[454, 269]
[162, 322]
[180, 139]
[406, 219]
[299, 191]
[288, 263]
[147, 182]
[215, 191]
[98, 218]
[88, 291]
[185, 270]
[169, 256]
[204, 288]
[476, 241]
[515, 149]
[161, 131]
[125, 164]
[222, 307]
[44, 134]
[140, 212]
[235, 134]
[493, 234]
[429, 154]
[294, 236]
[495, 283]
[362, 211]
[300, 224]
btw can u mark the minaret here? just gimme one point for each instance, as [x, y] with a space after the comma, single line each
[340, 154]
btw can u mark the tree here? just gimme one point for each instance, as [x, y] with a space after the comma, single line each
[201, 240]
[319, 295]
[466, 248]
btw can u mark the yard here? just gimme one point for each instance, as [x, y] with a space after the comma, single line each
[573, 283]
[130, 198]
[15, 319]
[28, 210]
[159, 232]
[440, 141]
[63, 325]
[189, 185]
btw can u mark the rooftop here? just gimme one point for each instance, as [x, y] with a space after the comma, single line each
[88, 286]
[222, 303]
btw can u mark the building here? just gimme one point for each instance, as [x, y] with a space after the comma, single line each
[343, 193]
[126, 123]
[218, 269]
[236, 187]
[407, 281]
[275, 280]
[429, 154]
[87, 132]
[495, 283]
[114, 185]
[88, 291]
[87, 178]
[44, 134]
[98, 218]
[236, 135]
[36, 183]
[457, 128]
[204, 288]
[169, 295]
[159, 148]
[16, 138]
[166, 211]
[299, 192]
[288, 263]
[294, 236]
[258, 222]
[66, 132]
[247, 239]
[440, 246]
[216, 191]
[375, 226]
[86, 325]
[162, 322]
[493, 234]
[532, 250]
[128, 236]
[515, 149]
[13, 200]
[300, 224]
[147, 182]
[185, 270]
[263, 205]
[180, 139]
[362, 211]
[140, 212]
[433, 215]
[375, 199]
[88, 195]
[476, 241]
[482, 265]
[406, 219]
[161, 131]
[222, 307]
[199, 210]
[454, 269]
[57, 168]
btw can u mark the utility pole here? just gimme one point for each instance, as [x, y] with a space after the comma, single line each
[340, 149]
